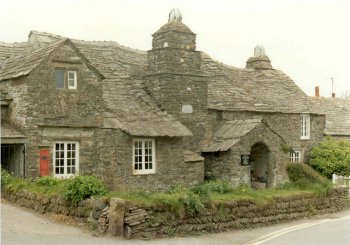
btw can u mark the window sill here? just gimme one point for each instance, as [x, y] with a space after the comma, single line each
[64, 176]
[306, 138]
[143, 172]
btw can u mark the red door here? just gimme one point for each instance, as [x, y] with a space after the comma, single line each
[44, 162]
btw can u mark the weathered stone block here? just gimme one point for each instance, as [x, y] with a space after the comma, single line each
[116, 216]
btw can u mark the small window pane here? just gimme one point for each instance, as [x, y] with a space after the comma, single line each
[59, 78]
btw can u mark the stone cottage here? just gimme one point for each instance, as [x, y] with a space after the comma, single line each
[337, 111]
[149, 119]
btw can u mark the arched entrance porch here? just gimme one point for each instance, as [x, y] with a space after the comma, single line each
[260, 173]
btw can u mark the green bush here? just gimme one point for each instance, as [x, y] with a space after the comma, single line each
[217, 186]
[304, 177]
[6, 178]
[193, 203]
[81, 187]
[47, 181]
[331, 156]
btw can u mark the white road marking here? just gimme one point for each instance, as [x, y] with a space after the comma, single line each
[281, 232]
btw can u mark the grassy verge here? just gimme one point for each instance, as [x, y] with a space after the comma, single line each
[180, 200]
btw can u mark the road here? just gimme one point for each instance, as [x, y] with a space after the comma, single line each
[22, 226]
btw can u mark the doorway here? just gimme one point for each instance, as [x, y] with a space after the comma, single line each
[259, 166]
[12, 159]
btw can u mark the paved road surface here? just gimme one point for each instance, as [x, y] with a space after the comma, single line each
[22, 226]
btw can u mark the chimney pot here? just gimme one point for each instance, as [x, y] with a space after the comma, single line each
[317, 91]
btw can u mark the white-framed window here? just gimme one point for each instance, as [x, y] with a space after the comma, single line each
[144, 156]
[72, 80]
[66, 79]
[305, 126]
[295, 156]
[66, 159]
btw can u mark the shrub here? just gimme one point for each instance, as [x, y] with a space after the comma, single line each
[217, 186]
[47, 181]
[303, 176]
[193, 203]
[331, 156]
[6, 178]
[81, 187]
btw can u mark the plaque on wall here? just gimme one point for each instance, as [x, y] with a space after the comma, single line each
[245, 160]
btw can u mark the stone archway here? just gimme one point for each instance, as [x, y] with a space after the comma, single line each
[259, 166]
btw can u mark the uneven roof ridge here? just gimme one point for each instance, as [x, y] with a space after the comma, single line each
[22, 64]
[240, 89]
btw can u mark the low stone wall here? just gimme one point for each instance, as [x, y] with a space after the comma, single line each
[141, 223]
[146, 224]
[48, 204]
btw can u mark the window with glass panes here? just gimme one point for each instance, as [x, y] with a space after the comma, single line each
[305, 126]
[66, 79]
[66, 158]
[295, 156]
[143, 156]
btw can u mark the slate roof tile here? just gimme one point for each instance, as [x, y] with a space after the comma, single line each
[337, 111]
[228, 133]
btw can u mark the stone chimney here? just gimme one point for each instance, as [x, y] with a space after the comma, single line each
[260, 59]
[317, 91]
[175, 79]
[333, 95]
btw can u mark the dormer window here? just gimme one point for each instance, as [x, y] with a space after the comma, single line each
[65, 79]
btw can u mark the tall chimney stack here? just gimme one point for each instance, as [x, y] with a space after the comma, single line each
[317, 91]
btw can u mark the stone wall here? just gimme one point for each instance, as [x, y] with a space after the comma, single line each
[47, 114]
[288, 126]
[148, 223]
[238, 214]
[48, 204]
[116, 169]
[172, 92]
[227, 165]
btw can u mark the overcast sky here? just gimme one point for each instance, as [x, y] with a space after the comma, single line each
[307, 39]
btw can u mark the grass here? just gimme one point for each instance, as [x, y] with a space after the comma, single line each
[189, 202]
[184, 201]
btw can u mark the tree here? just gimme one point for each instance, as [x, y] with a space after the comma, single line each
[331, 156]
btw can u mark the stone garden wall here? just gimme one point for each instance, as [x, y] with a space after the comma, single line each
[240, 214]
[142, 223]
[48, 204]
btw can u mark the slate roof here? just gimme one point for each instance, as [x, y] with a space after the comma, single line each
[129, 107]
[267, 90]
[190, 156]
[133, 110]
[228, 133]
[337, 112]
[11, 49]
[22, 64]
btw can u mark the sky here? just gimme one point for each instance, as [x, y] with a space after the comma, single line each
[307, 39]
